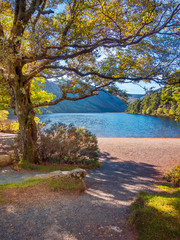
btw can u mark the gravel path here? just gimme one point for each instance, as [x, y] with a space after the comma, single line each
[8, 175]
[6, 142]
[130, 165]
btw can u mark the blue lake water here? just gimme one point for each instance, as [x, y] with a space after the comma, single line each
[118, 124]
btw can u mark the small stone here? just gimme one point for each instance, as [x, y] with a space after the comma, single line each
[78, 173]
[115, 228]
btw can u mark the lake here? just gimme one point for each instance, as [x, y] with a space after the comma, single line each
[118, 124]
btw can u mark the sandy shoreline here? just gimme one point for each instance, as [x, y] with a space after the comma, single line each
[162, 153]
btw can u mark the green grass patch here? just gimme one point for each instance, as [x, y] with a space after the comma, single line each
[157, 216]
[55, 167]
[167, 187]
[65, 183]
[43, 168]
[28, 183]
[55, 184]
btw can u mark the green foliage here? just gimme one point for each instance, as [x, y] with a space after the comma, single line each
[7, 125]
[124, 33]
[3, 115]
[166, 102]
[173, 176]
[39, 95]
[67, 144]
[4, 96]
[157, 216]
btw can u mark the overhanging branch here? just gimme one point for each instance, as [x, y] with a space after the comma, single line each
[82, 74]
[64, 97]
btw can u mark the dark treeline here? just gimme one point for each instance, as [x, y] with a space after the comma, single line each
[165, 102]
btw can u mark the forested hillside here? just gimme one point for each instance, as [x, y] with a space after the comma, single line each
[165, 102]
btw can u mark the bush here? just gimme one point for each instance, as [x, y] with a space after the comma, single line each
[9, 127]
[173, 176]
[67, 144]
[3, 115]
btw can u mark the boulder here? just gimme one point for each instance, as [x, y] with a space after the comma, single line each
[5, 160]
[54, 174]
[76, 173]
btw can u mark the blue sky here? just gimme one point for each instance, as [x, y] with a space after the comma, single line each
[134, 88]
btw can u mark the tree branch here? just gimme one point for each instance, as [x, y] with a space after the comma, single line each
[58, 100]
[1, 31]
[65, 97]
[34, 70]
[2, 70]
[82, 74]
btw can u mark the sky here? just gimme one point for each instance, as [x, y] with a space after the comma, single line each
[136, 89]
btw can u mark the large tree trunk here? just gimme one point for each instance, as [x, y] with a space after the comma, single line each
[28, 129]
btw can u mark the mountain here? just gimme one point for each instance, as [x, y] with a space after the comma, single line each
[103, 102]
[134, 97]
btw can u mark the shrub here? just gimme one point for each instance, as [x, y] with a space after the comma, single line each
[3, 115]
[67, 144]
[9, 127]
[173, 176]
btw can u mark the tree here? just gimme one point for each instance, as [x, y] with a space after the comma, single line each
[165, 102]
[87, 45]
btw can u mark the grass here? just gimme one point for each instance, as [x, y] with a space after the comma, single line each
[157, 216]
[28, 183]
[66, 184]
[57, 184]
[55, 167]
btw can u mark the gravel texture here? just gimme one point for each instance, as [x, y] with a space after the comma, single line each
[130, 165]
[6, 142]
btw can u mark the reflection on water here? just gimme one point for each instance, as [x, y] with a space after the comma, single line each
[118, 124]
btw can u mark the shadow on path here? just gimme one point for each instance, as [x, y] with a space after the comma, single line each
[101, 213]
[122, 179]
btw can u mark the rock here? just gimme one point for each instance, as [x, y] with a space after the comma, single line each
[54, 174]
[5, 160]
[76, 173]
